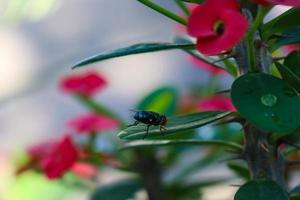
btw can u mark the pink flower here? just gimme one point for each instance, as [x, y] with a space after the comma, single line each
[54, 158]
[207, 67]
[217, 25]
[85, 84]
[294, 3]
[92, 122]
[216, 103]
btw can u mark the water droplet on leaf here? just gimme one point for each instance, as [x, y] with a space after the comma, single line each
[269, 100]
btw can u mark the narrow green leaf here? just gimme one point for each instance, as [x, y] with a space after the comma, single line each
[289, 76]
[123, 189]
[240, 170]
[162, 100]
[155, 143]
[292, 61]
[290, 36]
[134, 49]
[287, 20]
[261, 190]
[295, 193]
[174, 124]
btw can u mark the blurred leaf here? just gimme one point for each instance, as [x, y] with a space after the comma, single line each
[155, 143]
[163, 100]
[261, 190]
[23, 188]
[191, 191]
[289, 75]
[275, 105]
[287, 20]
[295, 193]
[134, 49]
[290, 36]
[174, 124]
[292, 61]
[240, 170]
[123, 189]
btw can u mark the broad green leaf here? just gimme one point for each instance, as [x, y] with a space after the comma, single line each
[290, 36]
[269, 103]
[175, 124]
[289, 76]
[155, 143]
[134, 49]
[287, 20]
[261, 190]
[292, 61]
[123, 189]
[241, 170]
[163, 100]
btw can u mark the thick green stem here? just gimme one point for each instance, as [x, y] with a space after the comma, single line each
[183, 7]
[164, 11]
[263, 158]
[250, 39]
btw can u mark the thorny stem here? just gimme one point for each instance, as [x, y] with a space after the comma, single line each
[164, 11]
[263, 157]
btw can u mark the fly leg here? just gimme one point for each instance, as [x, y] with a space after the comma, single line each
[147, 130]
[162, 129]
[134, 124]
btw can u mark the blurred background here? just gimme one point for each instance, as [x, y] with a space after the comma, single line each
[41, 39]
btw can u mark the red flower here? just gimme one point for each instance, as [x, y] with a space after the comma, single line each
[215, 103]
[92, 122]
[217, 25]
[86, 84]
[53, 158]
[295, 3]
[207, 67]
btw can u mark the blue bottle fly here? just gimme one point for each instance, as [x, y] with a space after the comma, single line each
[150, 119]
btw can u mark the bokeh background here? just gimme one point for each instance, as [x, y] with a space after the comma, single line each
[41, 39]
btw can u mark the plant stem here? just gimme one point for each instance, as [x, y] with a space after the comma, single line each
[164, 11]
[263, 158]
[183, 7]
[250, 37]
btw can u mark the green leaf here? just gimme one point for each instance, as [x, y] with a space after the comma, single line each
[292, 61]
[295, 193]
[123, 189]
[290, 36]
[289, 76]
[269, 103]
[261, 190]
[287, 20]
[134, 49]
[174, 124]
[241, 170]
[155, 143]
[163, 100]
